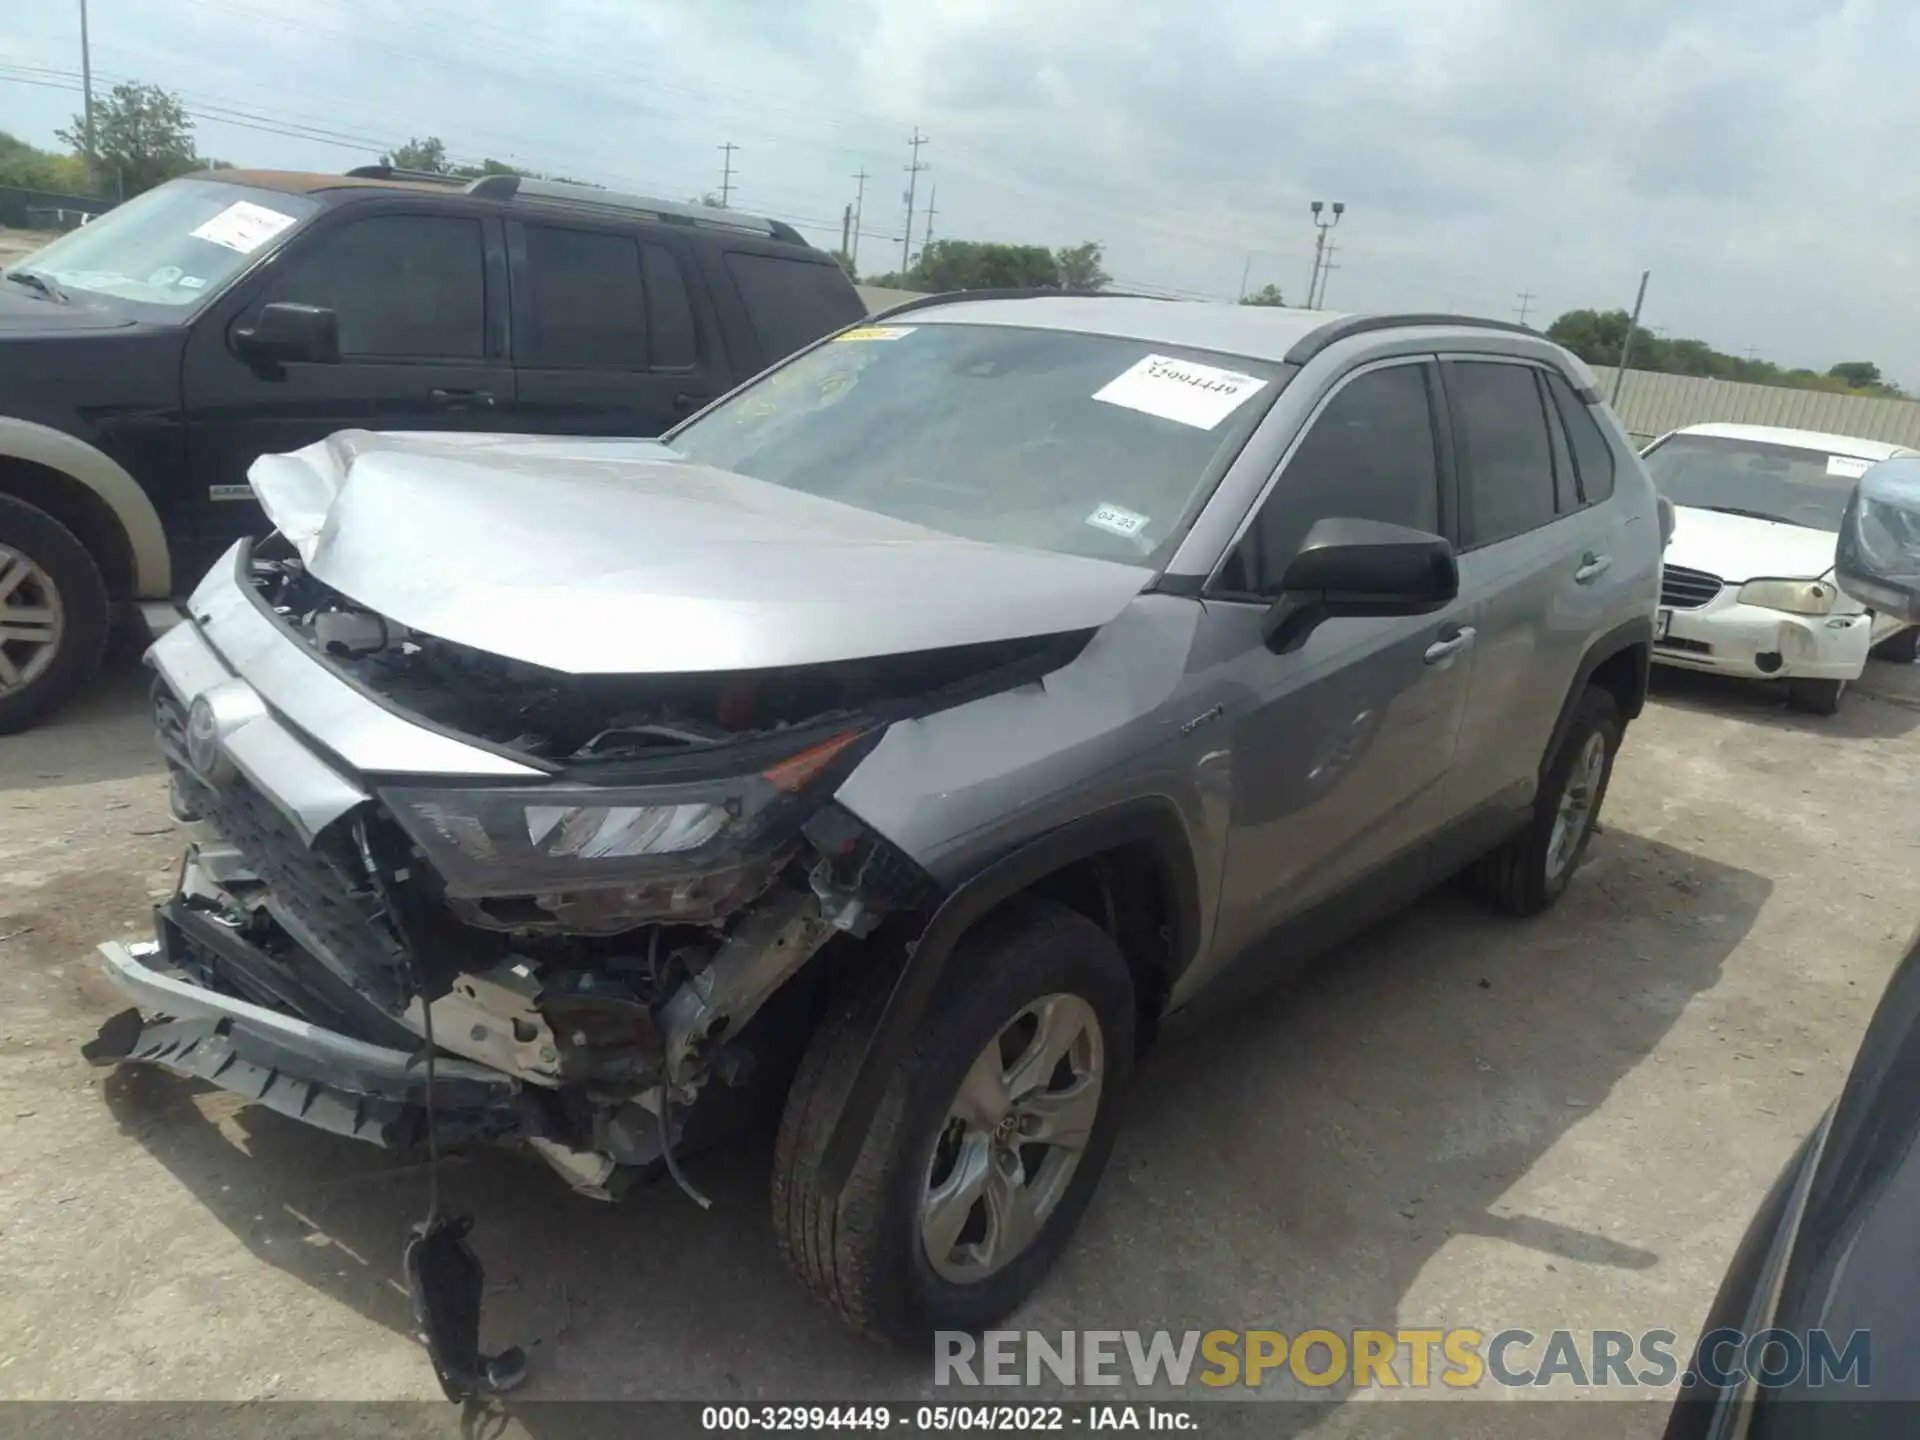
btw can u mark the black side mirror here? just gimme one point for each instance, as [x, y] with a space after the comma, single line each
[1877, 554]
[1360, 567]
[289, 331]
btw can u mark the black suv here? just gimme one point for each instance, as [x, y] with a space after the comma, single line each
[147, 359]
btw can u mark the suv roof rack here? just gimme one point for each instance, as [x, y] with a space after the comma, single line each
[943, 297]
[394, 172]
[1314, 341]
[706, 217]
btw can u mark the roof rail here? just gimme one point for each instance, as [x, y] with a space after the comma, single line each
[707, 217]
[947, 297]
[1314, 341]
[394, 172]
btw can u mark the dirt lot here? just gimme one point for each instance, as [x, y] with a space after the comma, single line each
[1457, 1121]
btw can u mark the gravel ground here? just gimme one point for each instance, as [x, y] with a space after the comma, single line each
[1457, 1120]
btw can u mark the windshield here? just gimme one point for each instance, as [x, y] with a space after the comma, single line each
[1808, 488]
[1053, 440]
[172, 247]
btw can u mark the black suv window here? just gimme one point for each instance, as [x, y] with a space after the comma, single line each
[676, 344]
[404, 287]
[1592, 456]
[1369, 456]
[587, 305]
[792, 303]
[1500, 426]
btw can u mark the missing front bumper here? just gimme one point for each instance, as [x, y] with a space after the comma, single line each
[316, 1076]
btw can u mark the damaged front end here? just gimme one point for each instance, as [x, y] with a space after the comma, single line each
[587, 925]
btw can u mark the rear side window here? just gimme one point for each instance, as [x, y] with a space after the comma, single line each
[1500, 426]
[402, 287]
[1592, 456]
[587, 303]
[1368, 456]
[675, 342]
[792, 303]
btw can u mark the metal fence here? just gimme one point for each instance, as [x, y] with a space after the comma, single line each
[47, 209]
[1651, 404]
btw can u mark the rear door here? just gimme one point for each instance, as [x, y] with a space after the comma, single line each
[1532, 560]
[420, 299]
[608, 336]
[1340, 751]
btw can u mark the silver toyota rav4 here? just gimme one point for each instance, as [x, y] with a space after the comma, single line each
[898, 740]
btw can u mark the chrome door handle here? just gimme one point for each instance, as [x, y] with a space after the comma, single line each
[1592, 567]
[462, 399]
[1443, 650]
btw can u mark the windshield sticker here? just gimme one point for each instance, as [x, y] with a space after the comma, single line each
[1180, 390]
[1847, 467]
[243, 226]
[191, 282]
[877, 332]
[1117, 520]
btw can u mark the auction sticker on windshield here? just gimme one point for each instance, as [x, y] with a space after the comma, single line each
[1117, 520]
[1180, 390]
[243, 226]
[877, 332]
[1847, 467]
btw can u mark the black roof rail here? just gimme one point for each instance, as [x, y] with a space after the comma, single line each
[1334, 331]
[947, 297]
[394, 172]
[672, 212]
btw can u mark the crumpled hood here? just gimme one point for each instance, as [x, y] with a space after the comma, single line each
[1739, 548]
[617, 556]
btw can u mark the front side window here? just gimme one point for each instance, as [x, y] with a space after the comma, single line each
[1500, 428]
[1369, 455]
[1809, 488]
[403, 287]
[172, 248]
[1048, 439]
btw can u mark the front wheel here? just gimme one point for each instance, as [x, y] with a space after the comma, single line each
[989, 1141]
[53, 615]
[1529, 872]
[1816, 697]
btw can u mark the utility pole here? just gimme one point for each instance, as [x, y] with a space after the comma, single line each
[913, 174]
[859, 205]
[1526, 304]
[1245, 271]
[726, 173]
[932, 195]
[1626, 344]
[86, 88]
[846, 229]
[1314, 281]
[1327, 267]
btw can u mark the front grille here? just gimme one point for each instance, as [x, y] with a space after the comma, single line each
[318, 892]
[1686, 589]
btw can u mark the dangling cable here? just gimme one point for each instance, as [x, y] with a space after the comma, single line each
[665, 1113]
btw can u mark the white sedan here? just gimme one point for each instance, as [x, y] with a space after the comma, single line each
[1748, 587]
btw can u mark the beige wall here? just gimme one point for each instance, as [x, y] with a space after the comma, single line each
[879, 299]
[1650, 405]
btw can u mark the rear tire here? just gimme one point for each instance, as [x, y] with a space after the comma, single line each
[53, 615]
[868, 1252]
[1530, 872]
[1816, 697]
[1901, 649]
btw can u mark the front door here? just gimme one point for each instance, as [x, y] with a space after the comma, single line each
[417, 352]
[1340, 749]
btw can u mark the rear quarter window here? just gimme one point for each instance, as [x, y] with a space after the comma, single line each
[792, 302]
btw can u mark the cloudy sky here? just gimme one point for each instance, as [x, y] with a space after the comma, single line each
[1755, 155]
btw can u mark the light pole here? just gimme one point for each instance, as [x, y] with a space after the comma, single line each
[1316, 283]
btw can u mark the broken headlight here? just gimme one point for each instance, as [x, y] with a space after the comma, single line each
[564, 836]
[1795, 597]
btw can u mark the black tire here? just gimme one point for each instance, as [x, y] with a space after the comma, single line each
[1515, 878]
[862, 1253]
[1816, 697]
[82, 601]
[1902, 648]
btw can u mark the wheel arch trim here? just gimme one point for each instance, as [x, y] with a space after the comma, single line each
[1613, 643]
[98, 472]
[1153, 821]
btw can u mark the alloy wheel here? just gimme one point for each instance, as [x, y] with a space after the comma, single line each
[32, 621]
[1575, 816]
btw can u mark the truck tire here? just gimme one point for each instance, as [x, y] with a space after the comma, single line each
[1902, 647]
[1529, 872]
[958, 1204]
[53, 615]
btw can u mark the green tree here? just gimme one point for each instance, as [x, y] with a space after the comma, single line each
[31, 168]
[1265, 295]
[1858, 374]
[142, 137]
[424, 153]
[982, 265]
[1080, 266]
